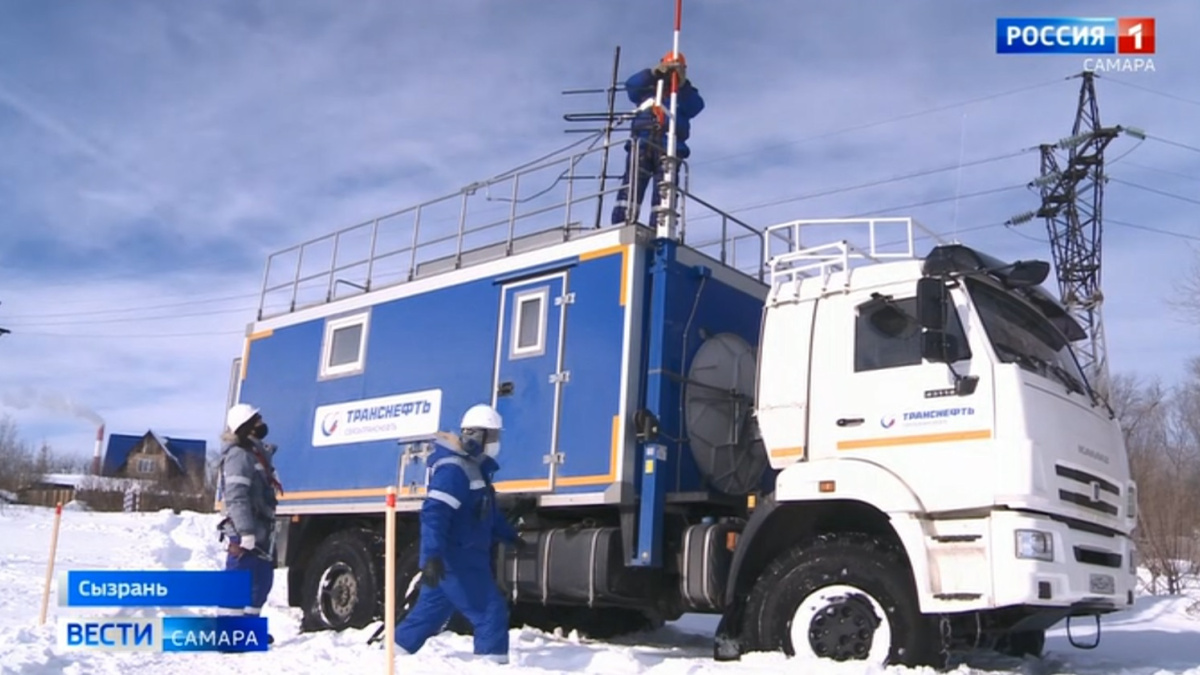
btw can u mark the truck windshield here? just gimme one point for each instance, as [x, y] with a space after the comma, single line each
[1021, 335]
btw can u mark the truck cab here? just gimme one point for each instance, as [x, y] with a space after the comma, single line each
[934, 433]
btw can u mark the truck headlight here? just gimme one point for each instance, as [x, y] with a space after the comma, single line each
[1035, 545]
[1131, 506]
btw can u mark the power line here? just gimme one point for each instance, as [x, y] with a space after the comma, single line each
[890, 120]
[161, 317]
[1177, 144]
[941, 200]
[1163, 171]
[129, 336]
[171, 305]
[875, 183]
[1147, 228]
[1164, 94]
[1156, 191]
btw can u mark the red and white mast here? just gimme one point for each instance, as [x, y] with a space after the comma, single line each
[667, 224]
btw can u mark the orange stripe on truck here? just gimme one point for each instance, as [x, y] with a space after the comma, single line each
[917, 439]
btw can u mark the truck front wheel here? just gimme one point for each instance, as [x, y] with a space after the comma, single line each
[842, 597]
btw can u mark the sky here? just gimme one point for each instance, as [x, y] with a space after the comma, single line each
[156, 153]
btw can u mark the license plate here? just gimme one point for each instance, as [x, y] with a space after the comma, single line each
[1103, 584]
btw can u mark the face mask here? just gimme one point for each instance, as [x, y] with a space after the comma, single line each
[492, 449]
[260, 431]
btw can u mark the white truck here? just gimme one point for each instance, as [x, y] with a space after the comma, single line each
[945, 468]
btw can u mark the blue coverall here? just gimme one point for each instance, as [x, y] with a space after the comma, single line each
[459, 524]
[640, 87]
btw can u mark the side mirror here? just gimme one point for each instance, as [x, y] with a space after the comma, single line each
[933, 299]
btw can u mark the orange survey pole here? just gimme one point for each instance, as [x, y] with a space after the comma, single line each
[389, 580]
[50, 564]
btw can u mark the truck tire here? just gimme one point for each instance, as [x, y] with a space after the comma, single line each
[341, 587]
[1022, 643]
[843, 597]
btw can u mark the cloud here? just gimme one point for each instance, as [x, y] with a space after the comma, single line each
[156, 154]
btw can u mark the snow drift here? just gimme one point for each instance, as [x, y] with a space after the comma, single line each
[1159, 636]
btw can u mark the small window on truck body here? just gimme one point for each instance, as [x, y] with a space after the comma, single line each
[888, 336]
[528, 322]
[344, 349]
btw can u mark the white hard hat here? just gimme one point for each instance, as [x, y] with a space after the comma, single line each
[239, 415]
[482, 417]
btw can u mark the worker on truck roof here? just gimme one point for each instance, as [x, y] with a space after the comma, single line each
[650, 127]
[459, 525]
[249, 487]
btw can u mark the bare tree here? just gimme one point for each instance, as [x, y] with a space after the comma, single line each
[20, 464]
[1186, 297]
[1162, 434]
[17, 463]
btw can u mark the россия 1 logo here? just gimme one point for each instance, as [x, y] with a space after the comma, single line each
[1130, 40]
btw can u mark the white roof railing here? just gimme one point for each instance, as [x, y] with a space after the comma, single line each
[801, 260]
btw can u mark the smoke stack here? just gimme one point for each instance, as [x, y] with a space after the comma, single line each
[96, 455]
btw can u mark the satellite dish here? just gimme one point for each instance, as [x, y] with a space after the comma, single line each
[718, 402]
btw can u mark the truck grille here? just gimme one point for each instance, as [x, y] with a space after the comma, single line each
[1088, 490]
[1090, 556]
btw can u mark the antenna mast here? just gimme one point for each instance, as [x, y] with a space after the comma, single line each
[611, 121]
[667, 226]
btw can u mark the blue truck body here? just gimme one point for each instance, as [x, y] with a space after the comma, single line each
[500, 333]
[585, 338]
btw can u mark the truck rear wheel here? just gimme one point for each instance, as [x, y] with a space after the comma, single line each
[843, 597]
[340, 586]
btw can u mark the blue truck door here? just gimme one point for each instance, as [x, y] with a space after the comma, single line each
[528, 377]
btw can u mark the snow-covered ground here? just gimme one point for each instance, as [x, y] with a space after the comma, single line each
[1157, 637]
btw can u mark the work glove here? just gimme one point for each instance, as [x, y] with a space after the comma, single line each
[240, 544]
[432, 573]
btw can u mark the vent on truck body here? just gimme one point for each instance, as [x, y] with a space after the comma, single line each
[718, 402]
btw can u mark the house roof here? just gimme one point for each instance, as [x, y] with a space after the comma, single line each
[181, 451]
[81, 480]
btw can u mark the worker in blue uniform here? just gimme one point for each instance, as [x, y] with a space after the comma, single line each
[650, 128]
[250, 491]
[459, 525]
